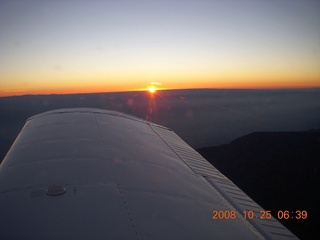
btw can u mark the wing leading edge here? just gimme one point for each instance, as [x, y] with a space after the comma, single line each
[98, 174]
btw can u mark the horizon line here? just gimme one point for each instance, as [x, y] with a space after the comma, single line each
[158, 89]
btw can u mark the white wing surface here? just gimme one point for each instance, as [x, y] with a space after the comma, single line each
[97, 174]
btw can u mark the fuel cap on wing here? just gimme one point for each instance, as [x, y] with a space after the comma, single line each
[55, 190]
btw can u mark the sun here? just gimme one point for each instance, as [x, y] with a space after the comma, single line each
[151, 89]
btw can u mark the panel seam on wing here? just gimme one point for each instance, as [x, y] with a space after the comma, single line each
[123, 197]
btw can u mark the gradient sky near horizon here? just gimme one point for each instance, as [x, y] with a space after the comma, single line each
[97, 46]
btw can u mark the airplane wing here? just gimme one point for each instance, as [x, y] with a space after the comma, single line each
[95, 174]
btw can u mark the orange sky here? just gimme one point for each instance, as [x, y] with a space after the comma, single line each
[66, 89]
[49, 47]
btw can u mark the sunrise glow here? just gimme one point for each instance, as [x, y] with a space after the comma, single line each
[152, 89]
[126, 46]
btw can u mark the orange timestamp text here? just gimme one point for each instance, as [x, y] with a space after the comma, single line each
[263, 214]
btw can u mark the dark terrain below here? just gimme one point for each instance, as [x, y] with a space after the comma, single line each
[201, 117]
[279, 170]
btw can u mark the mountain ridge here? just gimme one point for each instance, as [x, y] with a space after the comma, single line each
[279, 170]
